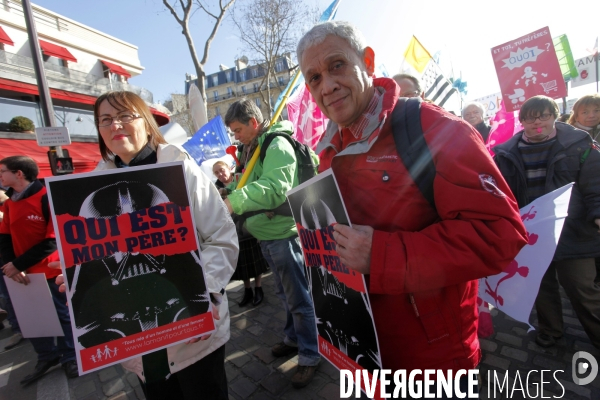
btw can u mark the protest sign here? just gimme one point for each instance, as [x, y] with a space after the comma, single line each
[587, 68]
[34, 307]
[346, 330]
[491, 103]
[130, 254]
[527, 67]
[514, 290]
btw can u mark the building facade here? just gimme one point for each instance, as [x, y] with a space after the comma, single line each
[80, 64]
[243, 80]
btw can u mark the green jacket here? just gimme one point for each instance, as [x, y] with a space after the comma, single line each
[266, 188]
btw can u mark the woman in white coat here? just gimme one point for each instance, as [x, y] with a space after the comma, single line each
[129, 136]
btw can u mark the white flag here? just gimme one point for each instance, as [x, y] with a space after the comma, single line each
[514, 290]
[439, 89]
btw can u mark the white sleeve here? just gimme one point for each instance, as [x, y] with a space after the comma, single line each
[219, 247]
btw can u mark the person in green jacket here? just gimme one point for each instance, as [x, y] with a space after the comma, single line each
[265, 189]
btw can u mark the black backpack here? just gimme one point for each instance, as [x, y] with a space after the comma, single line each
[411, 145]
[306, 167]
[306, 170]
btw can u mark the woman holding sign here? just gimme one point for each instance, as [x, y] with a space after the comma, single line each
[128, 136]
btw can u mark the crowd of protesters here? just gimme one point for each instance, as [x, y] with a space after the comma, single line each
[421, 254]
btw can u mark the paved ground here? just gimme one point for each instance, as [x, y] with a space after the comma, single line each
[254, 374]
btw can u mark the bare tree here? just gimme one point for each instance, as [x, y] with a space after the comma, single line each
[268, 29]
[178, 105]
[187, 10]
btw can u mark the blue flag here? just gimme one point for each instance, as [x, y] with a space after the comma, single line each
[209, 142]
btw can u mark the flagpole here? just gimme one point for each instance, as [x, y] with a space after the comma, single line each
[328, 15]
[285, 97]
[596, 61]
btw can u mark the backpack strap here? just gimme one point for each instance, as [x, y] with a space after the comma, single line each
[411, 145]
[585, 155]
[267, 142]
[284, 208]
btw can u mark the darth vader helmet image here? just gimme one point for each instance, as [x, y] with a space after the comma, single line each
[121, 198]
[139, 291]
[118, 199]
[315, 214]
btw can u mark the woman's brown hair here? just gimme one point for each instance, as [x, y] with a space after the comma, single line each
[128, 101]
[587, 100]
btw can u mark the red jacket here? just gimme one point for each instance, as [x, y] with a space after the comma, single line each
[425, 265]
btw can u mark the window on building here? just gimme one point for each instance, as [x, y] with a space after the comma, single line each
[215, 80]
[229, 76]
[244, 89]
[243, 75]
[229, 91]
[257, 101]
[216, 94]
[255, 87]
[278, 65]
[55, 61]
[254, 72]
[217, 111]
[280, 79]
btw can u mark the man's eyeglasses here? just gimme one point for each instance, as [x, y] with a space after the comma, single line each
[6, 170]
[543, 117]
[121, 118]
[413, 93]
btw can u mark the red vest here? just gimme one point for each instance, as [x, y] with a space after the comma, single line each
[25, 222]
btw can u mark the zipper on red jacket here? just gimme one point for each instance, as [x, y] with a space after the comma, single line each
[414, 305]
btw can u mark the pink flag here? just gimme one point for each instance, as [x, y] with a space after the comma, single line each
[309, 122]
[504, 125]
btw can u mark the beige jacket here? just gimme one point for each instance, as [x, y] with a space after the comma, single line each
[218, 251]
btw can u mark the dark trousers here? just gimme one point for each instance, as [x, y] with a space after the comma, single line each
[203, 380]
[45, 347]
[12, 318]
[577, 278]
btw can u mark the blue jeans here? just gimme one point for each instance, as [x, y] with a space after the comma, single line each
[45, 347]
[11, 317]
[287, 262]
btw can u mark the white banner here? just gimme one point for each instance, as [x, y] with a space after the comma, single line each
[586, 67]
[491, 103]
[514, 290]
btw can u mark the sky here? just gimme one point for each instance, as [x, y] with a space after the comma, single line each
[464, 31]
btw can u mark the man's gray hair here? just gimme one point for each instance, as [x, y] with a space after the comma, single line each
[343, 29]
[476, 104]
[411, 78]
[243, 111]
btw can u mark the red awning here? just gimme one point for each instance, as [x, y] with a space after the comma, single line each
[161, 118]
[21, 87]
[85, 155]
[54, 50]
[4, 38]
[116, 69]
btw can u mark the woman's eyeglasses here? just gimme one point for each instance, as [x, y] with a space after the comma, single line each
[121, 118]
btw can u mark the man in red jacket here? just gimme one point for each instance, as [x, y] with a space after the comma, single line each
[421, 262]
[27, 245]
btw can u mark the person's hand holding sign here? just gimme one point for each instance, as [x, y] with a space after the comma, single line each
[13, 273]
[354, 246]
